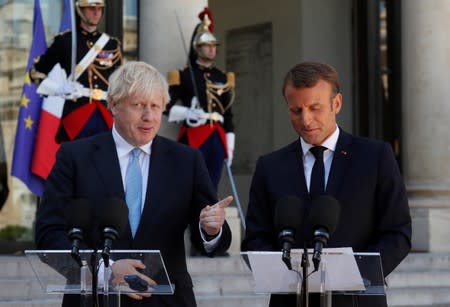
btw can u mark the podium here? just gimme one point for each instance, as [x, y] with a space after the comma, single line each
[341, 273]
[59, 273]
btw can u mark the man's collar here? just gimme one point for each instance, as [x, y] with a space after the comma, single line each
[329, 143]
[124, 148]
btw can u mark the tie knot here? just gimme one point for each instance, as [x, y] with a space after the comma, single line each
[317, 151]
[136, 152]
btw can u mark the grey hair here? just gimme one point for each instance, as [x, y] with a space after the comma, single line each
[136, 77]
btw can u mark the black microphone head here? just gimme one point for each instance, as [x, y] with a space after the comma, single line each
[78, 214]
[113, 213]
[324, 213]
[289, 214]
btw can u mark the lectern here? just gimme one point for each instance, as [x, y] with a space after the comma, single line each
[341, 272]
[59, 273]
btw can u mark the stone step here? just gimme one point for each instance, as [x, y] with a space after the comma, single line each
[404, 279]
[14, 289]
[15, 267]
[217, 265]
[418, 297]
[425, 262]
[422, 280]
[50, 302]
[223, 285]
[233, 301]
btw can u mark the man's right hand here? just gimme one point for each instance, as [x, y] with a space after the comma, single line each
[123, 267]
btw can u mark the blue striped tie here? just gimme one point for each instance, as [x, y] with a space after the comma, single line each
[133, 190]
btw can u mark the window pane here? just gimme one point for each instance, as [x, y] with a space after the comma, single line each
[130, 30]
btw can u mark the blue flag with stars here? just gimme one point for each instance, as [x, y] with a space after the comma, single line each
[29, 113]
[66, 19]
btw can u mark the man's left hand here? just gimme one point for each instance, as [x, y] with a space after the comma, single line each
[213, 217]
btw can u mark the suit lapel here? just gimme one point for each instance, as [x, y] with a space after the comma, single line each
[107, 164]
[297, 147]
[341, 161]
[157, 182]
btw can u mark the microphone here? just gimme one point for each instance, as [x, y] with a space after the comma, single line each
[113, 218]
[323, 218]
[78, 214]
[288, 221]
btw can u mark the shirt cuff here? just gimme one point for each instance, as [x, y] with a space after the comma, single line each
[211, 244]
[104, 274]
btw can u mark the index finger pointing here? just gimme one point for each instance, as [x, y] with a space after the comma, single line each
[225, 202]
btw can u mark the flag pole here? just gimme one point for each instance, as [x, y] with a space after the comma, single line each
[235, 194]
[74, 41]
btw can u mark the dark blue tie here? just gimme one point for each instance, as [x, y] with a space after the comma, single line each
[133, 190]
[317, 183]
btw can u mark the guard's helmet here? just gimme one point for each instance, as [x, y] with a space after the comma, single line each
[88, 3]
[204, 35]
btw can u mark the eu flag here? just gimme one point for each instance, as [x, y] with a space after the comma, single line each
[66, 19]
[29, 113]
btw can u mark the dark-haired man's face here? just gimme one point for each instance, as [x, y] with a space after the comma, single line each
[313, 111]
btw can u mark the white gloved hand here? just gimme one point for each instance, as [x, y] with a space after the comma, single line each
[57, 84]
[195, 117]
[53, 85]
[177, 113]
[72, 90]
[194, 114]
[230, 147]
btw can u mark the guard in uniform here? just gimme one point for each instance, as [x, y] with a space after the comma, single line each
[205, 103]
[98, 55]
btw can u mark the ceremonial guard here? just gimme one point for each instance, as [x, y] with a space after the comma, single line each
[206, 95]
[97, 56]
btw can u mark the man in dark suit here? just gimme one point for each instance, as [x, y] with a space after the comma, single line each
[174, 181]
[361, 174]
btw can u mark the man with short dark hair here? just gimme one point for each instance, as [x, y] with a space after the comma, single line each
[361, 174]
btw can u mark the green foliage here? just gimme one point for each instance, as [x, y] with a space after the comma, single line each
[15, 233]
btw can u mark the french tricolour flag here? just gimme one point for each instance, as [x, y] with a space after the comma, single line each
[46, 147]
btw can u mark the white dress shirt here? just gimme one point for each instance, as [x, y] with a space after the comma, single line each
[308, 157]
[124, 152]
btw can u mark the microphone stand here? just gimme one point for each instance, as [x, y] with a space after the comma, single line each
[94, 263]
[305, 265]
[84, 273]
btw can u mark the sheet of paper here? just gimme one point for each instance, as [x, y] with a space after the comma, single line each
[272, 276]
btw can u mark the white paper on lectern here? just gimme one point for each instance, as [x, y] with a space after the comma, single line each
[272, 276]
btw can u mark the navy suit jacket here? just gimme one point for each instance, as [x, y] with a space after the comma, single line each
[364, 178]
[178, 188]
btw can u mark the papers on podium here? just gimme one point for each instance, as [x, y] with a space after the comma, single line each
[339, 270]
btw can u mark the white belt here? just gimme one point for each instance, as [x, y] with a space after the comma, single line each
[95, 94]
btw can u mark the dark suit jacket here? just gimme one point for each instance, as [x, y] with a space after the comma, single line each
[364, 178]
[178, 188]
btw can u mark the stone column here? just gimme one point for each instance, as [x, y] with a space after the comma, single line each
[160, 42]
[426, 133]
